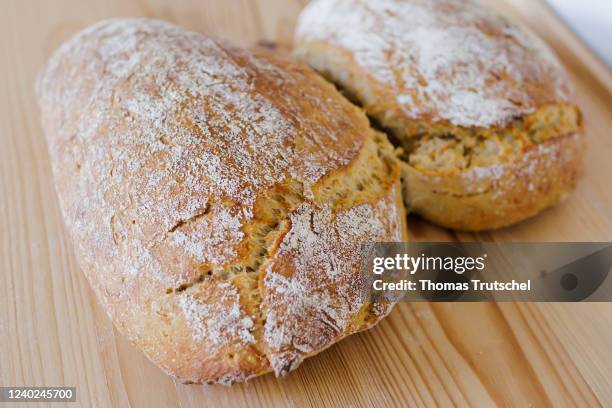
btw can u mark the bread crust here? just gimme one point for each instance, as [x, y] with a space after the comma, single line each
[448, 67]
[188, 173]
[501, 194]
[450, 61]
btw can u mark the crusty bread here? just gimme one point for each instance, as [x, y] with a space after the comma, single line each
[217, 197]
[481, 107]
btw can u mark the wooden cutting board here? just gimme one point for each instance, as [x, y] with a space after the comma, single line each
[52, 332]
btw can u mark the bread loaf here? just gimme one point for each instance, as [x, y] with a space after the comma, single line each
[481, 107]
[217, 197]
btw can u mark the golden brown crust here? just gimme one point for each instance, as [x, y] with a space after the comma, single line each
[501, 194]
[184, 165]
[309, 256]
[447, 61]
[429, 70]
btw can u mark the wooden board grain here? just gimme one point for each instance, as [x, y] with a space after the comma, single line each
[52, 332]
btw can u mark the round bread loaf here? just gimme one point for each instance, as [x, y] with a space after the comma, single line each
[481, 107]
[217, 197]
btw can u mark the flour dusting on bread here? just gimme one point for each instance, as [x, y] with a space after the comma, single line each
[314, 277]
[219, 323]
[177, 158]
[447, 60]
[480, 107]
[177, 128]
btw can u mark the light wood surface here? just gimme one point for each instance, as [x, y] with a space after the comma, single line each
[52, 331]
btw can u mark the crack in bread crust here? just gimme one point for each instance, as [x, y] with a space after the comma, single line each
[371, 175]
[464, 93]
[186, 169]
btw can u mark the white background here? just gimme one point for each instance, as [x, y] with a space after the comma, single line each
[591, 20]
